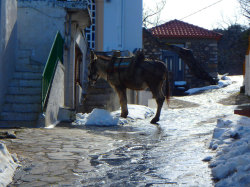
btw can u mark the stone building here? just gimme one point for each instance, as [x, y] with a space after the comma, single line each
[202, 42]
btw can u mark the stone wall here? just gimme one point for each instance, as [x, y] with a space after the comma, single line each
[150, 47]
[205, 51]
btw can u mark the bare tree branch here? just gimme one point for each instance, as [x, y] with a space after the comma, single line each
[245, 6]
[151, 15]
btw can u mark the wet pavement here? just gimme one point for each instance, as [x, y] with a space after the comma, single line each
[96, 156]
[136, 154]
[131, 155]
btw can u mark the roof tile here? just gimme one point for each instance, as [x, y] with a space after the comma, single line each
[180, 29]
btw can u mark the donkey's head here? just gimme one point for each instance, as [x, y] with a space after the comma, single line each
[93, 71]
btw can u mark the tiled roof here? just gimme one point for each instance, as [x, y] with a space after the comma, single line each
[180, 29]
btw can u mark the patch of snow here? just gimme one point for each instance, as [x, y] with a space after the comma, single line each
[231, 138]
[221, 84]
[7, 166]
[180, 83]
[101, 117]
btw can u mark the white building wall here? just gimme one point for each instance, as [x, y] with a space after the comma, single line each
[38, 23]
[122, 25]
[8, 44]
[247, 75]
[132, 24]
[56, 97]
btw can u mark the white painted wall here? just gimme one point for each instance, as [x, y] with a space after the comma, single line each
[56, 97]
[8, 44]
[247, 75]
[122, 25]
[38, 23]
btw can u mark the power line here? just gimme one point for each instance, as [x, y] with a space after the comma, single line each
[201, 9]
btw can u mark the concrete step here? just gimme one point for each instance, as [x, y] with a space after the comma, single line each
[23, 53]
[27, 75]
[88, 108]
[101, 84]
[13, 124]
[24, 90]
[31, 99]
[25, 83]
[29, 67]
[98, 97]
[23, 60]
[92, 91]
[18, 116]
[22, 108]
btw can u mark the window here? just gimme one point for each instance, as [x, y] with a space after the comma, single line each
[90, 31]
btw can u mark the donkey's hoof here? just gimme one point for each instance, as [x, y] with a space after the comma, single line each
[154, 120]
[124, 115]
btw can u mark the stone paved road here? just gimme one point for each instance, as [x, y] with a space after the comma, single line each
[73, 156]
[57, 156]
[129, 155]
[137, 154]
[92, 156]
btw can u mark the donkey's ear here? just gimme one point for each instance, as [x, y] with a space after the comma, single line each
[93, 55]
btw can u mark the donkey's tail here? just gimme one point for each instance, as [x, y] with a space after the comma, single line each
[167, 87]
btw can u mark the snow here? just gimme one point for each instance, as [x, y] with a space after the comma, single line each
[231, 139]
[98, 117]
[221, 84]
[180, 83]
[229, 147]
[7, 166]
[101, 117]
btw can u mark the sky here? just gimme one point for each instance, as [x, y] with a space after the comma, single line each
[220, 14]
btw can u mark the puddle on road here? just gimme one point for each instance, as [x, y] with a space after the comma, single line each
[130, 163]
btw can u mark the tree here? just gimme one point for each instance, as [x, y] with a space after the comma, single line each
[245, 6]
[151, 12]
[232, 49]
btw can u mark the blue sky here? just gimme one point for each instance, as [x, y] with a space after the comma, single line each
[221, 14]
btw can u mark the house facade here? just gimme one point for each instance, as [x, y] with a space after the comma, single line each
[116, 25]
[37, 24]
[202, 42]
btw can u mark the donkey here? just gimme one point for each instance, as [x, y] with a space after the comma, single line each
[136, 73]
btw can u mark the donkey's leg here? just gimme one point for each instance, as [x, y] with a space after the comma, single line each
[123, 101]
[159, 97]
[159, 102]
